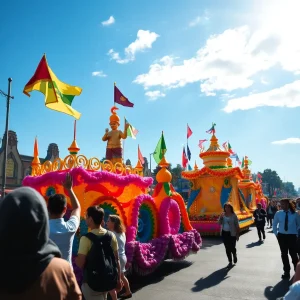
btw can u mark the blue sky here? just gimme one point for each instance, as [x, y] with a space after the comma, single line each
[179, 62]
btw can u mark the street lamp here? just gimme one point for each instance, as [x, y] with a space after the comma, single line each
[150, 162]
[5, 141]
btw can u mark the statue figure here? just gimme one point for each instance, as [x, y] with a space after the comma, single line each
[114, 150]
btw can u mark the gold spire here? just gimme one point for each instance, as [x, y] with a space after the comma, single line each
[36, 160]
[74, 149]
[195, 166]
[214, 145]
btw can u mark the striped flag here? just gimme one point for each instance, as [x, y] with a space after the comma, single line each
[131, 131]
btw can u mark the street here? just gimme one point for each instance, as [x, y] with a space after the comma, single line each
[257, 274]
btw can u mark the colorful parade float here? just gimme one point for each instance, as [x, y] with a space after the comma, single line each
[248, 187]
[157, 226]
[211, 187]
[259, 195]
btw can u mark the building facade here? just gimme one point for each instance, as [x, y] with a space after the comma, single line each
[18, 165]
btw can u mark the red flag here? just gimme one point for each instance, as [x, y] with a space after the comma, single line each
[140, 156]
[189, 131]
[121, 99]
[184, 159]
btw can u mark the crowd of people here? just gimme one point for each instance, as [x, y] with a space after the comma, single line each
[43, 268]
[284, 218]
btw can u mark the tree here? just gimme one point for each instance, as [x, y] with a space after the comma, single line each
[272, 179]
[176, 174]
[289, 190]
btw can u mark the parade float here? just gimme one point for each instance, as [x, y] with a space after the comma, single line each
[248, 187]
[259, 195]
[157, 226]
[211, 187]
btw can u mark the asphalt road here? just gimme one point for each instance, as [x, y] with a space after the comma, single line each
[257, 275]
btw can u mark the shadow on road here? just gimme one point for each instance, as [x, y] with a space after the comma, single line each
[254, 244]
[212, 280]
[208, 241]
[278, 290]
[167, 268]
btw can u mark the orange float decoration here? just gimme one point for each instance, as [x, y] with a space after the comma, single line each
[157, 227]
[213, 186]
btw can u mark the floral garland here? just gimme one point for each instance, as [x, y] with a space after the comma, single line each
[167, 225]
[133, 219]
[205, 170]
[80, 175]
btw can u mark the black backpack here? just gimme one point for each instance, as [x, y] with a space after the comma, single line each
[100, 272]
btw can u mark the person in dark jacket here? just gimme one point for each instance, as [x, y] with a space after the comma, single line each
[260, 221]
[271, 211]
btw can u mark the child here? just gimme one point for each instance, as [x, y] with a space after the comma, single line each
[115, 224]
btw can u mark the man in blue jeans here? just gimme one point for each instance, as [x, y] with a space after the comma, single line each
[61, 232]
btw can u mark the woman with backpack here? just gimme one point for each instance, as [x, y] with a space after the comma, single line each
[114, 223]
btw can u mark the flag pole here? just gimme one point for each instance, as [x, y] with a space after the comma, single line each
[124, 141]
[75, 130]
[114, 93]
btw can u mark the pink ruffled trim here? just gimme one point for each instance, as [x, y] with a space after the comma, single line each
[133, 219]
[81, 175]
[167, 226]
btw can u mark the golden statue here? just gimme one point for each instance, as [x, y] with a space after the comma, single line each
[114, 149]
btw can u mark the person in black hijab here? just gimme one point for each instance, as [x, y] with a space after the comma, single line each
[26, 251]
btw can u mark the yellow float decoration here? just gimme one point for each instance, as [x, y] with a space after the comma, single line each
[213, 186]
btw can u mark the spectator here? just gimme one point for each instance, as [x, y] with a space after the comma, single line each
[271, 211]
[95, 248]
[30, 263]
[260, 221]
[114, 223]
[230, 232]
[61, 232]
[285, 227]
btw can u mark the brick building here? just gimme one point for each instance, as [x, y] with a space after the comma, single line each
[19, 165]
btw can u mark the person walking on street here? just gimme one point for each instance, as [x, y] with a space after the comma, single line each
[260, 221]
[230, 232]
[271, 211]
[285, 227]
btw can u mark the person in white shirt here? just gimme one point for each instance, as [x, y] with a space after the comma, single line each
[285, 226]
[62, 232]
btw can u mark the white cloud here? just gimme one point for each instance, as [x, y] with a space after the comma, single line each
[108, 22]
[232, 59]
[144, 41]
[200, 19]
[287, 141]
[153, 95]
[264, 81]
[226, 62]
[284, 96]
[99, 74]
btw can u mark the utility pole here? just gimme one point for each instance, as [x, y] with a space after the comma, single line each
[5, 141]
